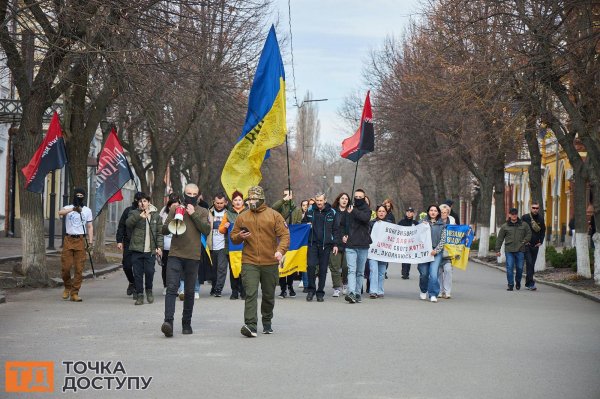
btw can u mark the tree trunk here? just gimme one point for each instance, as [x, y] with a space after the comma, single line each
[483, 221]
[581, 226]
[78, 147]
[596, 239]
[176, 176]
[535, 168]
[499, 200]
[28, 138]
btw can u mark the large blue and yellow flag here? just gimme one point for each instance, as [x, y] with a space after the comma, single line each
[297, 256]
[265, 125]
[235, 254]
[458, 244]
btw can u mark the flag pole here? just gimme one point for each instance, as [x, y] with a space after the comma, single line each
[287, 156]
[354, 182]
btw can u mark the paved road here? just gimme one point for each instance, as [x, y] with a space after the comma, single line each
[483, 343]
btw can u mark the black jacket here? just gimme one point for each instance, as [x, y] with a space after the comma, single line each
[123, 233]
[324, 230]
[358, 227]
[390, 218]
[537, 237]
[455, 216]
[407, 222]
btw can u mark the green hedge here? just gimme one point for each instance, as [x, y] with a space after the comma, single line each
[491, 247]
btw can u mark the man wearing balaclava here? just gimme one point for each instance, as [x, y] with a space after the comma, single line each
[78, 222]
[357, 244]
[266, 239]
[184, 258]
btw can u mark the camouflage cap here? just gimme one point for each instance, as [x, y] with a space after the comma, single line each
[256, 192]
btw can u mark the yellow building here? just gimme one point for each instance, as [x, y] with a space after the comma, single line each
[557, 187]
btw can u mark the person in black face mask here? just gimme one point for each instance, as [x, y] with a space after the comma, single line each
[357, 244]
[78, 222]
[123, 239]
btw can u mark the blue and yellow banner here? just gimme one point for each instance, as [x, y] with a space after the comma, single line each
[265, 125]
[458, 244]
[235, 254]
[296, 257]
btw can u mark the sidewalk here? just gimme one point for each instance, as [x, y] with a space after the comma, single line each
[11, 253]
[11, 247]
[564, 285]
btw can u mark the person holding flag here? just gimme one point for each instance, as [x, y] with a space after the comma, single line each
[78, 223]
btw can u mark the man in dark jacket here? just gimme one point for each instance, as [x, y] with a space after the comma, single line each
[516, 235]
[408, 220]
[321, 243]
[123, 239]
[538, 231]
[292, 214]
[184, 258]
[357, 244]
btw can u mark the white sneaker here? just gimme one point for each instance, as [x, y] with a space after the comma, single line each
[423, 296]
[336, 293]
[344, 290]
[165, 291]
[196, 295]
[433, 299]
[448, 296]
[301, 285]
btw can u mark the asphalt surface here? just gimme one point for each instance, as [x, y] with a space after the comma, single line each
[485, 342]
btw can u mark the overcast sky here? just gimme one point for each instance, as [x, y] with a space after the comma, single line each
[332, 40]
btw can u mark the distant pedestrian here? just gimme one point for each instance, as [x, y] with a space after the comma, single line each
[389, 207]
[216, 242]
[123, 238]
[292, 215]
[516, 234]
[357, 245]
[445, 270]
[428, 280]
[237, 207]
[454, 215]
[408, 220]
[173, 198]
[538, 232]
[322, 242]
[266, 239]
[377, 268]
[337, 262]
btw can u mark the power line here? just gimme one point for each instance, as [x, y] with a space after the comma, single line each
[292, 51]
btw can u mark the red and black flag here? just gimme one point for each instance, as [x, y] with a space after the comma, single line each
[112, 173]
[50, 155]
[363, 141]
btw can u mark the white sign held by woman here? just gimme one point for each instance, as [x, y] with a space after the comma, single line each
[401, 244]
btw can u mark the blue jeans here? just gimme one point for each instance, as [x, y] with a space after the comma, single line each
[377, 276]
[196, 286]
[514, 259]
[305, 279]
[356, 258]
[428, 279]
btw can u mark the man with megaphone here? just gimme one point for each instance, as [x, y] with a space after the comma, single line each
[186, 222]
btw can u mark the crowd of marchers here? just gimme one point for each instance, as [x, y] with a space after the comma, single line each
[189, 239]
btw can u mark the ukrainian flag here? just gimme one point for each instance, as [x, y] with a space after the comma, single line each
[235, 255]
[265, 125]
[297, 256]
[458, 244]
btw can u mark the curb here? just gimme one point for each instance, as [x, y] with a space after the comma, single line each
[57, 282]
[563, 287]
[86, 275]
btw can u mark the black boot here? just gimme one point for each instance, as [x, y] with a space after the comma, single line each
[292, 292]
[187, 327]
[510, 288]
[130, 289]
